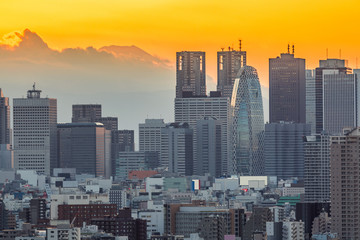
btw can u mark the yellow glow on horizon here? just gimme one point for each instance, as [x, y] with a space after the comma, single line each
[162, 27]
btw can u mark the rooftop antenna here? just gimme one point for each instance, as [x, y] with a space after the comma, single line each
[293, 49]
[327, 53]
[34, 86]
[289, 48]
[240, 45]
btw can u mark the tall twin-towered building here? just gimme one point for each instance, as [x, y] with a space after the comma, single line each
[236, 106]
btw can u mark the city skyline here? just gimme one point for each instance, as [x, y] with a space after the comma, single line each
[179, 120]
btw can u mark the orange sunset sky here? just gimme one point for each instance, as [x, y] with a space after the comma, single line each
[162, 27]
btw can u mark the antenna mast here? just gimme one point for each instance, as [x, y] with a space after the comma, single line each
[240, 45]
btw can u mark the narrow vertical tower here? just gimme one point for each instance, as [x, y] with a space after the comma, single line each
[5, 137]
[6, 153]
[248, 123]
[35, 132]
[190, 74]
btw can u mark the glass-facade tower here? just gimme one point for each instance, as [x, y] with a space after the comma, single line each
[248, 123]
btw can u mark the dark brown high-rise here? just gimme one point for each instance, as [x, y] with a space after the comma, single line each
[86, 112]
[287, 88]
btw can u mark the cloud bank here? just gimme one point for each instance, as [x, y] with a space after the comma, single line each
[130, 83]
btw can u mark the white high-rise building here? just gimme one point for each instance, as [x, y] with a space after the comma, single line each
[190, 110]
[293, 230]
[35, 128]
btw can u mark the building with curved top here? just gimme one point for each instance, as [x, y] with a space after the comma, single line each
[248, 123]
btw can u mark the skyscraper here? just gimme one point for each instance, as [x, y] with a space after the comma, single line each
[208, 133]
[124, 140]
[190, 110]
[110, 123]
[229, 64]
[177, 148]
[317, 168]
[310, 99]
[121, 141]
[35, 128]
[287, 88]
[329, 66]
[340, 101]
[344, 187]
[86, 112]
[5, 134]
[190, 74]
[248, 123]
[6, 152]
[150, 135]
[284, 149]
[86, 147]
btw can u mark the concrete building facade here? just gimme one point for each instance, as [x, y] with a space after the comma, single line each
[190, 110]
[35, 131]
[190, 74]
[317, 168]
[284, 149]
[209, 150]
[228, 66]
[86, 147]
[344, 186]
[177, 148]
[287, 89]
